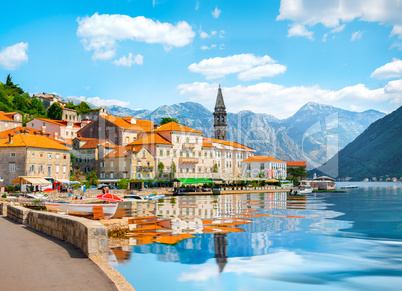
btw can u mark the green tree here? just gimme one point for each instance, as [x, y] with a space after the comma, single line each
[70, 105]
[261, 175]
[165, 120]
[21, 103]
[55, 111]
[92, 178]
[299, 172]
[173, 170]
[161, 167]
[82, 108]
[5, 103]
[37, 108]
[122, 183]
[215, 168]
[11, 88]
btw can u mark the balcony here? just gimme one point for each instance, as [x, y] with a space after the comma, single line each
[188, 146]
[146, 169]
[188, 160]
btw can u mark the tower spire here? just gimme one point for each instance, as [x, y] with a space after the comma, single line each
[220, 116]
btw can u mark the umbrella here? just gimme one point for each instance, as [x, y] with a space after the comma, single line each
[48, 190]
[109, 197]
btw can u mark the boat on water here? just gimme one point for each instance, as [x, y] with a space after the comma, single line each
[350, 187]
[301, 191]
[134, 197]
[95, 211]
[154, 197]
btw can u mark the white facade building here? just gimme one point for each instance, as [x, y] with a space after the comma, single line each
[270, 167]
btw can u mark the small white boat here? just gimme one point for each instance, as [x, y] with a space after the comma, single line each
[302, 191]
[57, 207]
[92, 210]
[134, 197]
[154, 197]
[104, 211]
[350, 187]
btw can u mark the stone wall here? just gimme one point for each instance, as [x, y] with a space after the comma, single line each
[90, 236]
[3, 208]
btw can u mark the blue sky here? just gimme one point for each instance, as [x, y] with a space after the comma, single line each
[270, 56]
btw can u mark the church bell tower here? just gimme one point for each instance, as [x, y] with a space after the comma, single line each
[220, 116]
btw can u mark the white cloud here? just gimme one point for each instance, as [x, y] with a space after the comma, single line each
[259, 72]
[261, 96]
[100, 33]
[391, 70]
[335, 30]
[197, 5]
[356, 35]
[219, 67]
[101, 102]
[216, 12]
[205, 47]
[11, 57]
[397, 30]
[129, 60]
[221, 34]
[221, 46]
[205, 35]
[331, 13]
[300, 30]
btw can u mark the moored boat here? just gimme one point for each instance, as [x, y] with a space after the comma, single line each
[96, 211]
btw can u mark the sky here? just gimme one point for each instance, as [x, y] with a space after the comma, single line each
[269, 56]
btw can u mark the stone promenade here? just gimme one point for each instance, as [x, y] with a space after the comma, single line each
[31, 260]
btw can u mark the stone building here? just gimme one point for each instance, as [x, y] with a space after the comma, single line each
[57, 128]
[70, 115]
[94, 113]
[9, 120]
[194, 155]
[220, 126]
[270, 167]
[48, 99]
[32, 155]
[119, 130]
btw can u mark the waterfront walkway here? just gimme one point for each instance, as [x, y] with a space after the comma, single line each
[30, 260]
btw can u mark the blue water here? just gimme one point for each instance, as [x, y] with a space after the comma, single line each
[337, 241]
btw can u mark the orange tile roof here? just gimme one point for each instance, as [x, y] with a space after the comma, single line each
[146, 125]
[59, 122]
[206, 143]
[23, 130]
[84, 138]
[123, 122]
[35, 141]
[93, 143]
[152, 138]
[257, 158]
[229, 143]
[296, 164]
[4, 116]
[119, 151]
[173, 126]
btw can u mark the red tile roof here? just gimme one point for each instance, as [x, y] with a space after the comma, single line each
[125, 123]
[153, 138]
[206, 143]
[257, 158]
[119, 151]
[173, 126]
[23, 130]
[5, 116]
[35, 141]
[296, 164]
[93, 143]
[59, 122]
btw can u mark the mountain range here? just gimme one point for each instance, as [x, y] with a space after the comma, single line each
[314, 133]
[376, 152]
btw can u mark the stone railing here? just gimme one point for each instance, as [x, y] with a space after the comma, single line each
[90, 236]
[3, 208]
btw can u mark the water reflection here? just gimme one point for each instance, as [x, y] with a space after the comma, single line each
[257, 241]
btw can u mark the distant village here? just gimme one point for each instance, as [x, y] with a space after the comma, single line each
[115, 148]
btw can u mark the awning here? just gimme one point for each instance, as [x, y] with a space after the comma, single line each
[189, 181]
[63, 181]
[31, 180]
[272, 181]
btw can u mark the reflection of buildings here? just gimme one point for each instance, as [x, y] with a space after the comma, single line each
[221, 253]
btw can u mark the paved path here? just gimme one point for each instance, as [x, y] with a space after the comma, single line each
[30, 260]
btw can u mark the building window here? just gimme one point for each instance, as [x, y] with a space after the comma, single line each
[65, 157]
[168, 153]
[12, 167]
[111, 164]
[147, 164]
[64, 169]
[138, 163]
[124, 175]
[57, 169]
[249, 167]
[181, 154]
[32, 125]
[111, 175]
[42, 169]
[125, 164]
[12, 155]
[178, 139]
[161, 152]
[57, 156]
[187, 140]
[143, 154]
[174, 153]
[199, 154]
[49, 171]
[50, 156]
[102, 175]
[262, 167]
[102, 164]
